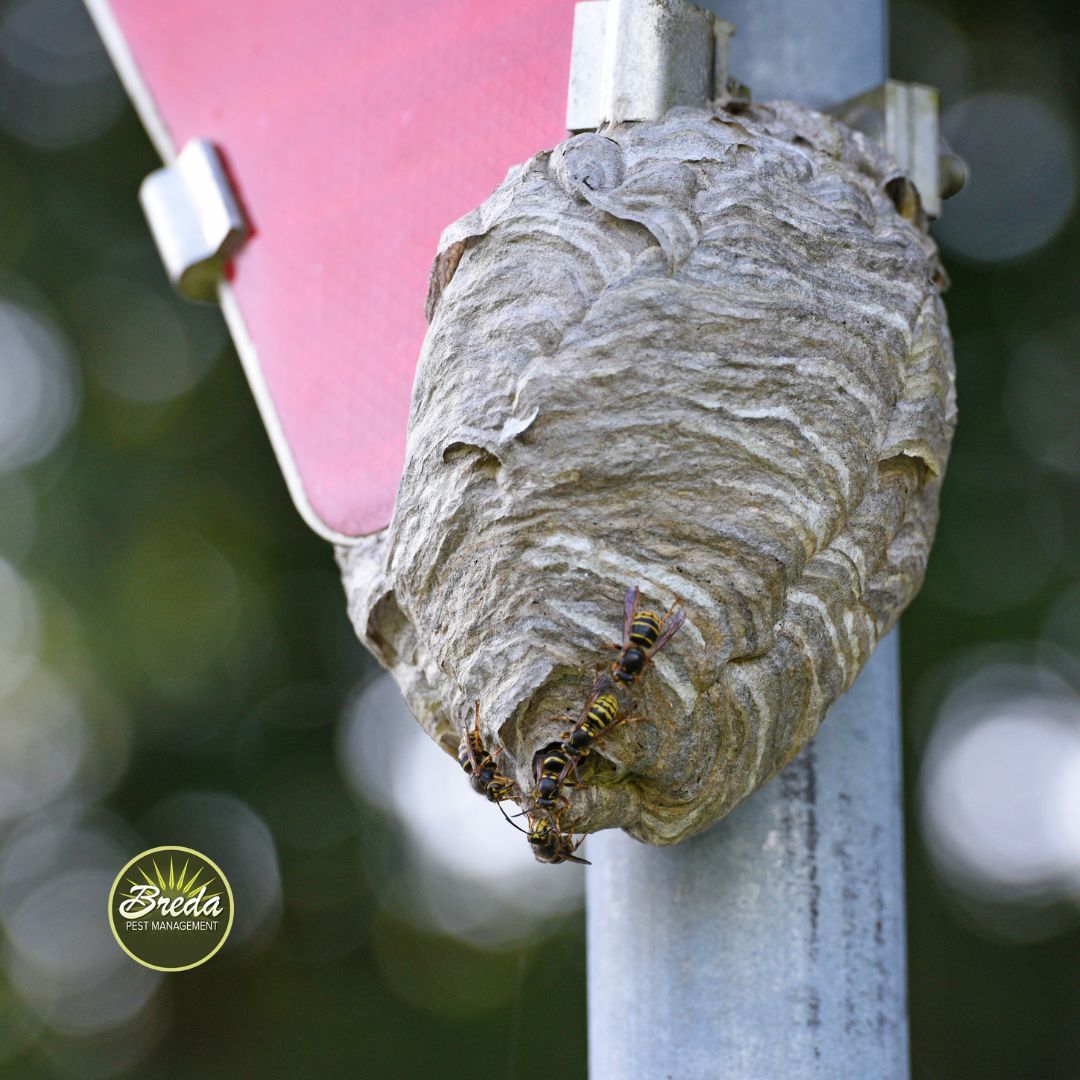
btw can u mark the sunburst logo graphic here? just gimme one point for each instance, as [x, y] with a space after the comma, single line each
[171, 908]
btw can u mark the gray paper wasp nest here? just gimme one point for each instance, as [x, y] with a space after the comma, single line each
[706, 355]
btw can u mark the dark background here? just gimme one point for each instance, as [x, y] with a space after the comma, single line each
[175, 655]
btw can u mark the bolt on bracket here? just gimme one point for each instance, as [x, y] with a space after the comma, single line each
[195, 217]
[903, 118]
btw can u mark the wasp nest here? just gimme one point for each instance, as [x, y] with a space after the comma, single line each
[705, 355]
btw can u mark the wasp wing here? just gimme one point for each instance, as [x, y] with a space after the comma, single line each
[671, 625]
[469, 743]
[601, 684]
[629, 610]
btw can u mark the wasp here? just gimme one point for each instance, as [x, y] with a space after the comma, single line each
[551, 767]
[480, 766]
[601, 715]
[550, 844]
[645, 633]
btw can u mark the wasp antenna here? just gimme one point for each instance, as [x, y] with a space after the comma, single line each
[510, 820]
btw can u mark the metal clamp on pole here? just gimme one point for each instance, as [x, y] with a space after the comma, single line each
[903, 118]
[635, 59]
[195, 217]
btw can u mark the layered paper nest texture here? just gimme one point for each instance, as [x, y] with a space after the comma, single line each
[706, 355]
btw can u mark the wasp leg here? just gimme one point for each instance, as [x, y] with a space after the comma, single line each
[562, 805]
[572, 768]
[674, 604]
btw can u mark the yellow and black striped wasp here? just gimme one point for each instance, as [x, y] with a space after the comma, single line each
[480, 766]
[553, 765]
[645, 633]
[550, 844]
[601, 715]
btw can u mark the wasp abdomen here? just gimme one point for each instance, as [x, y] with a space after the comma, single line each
[550, 771]
[603, 713]
[645, 629]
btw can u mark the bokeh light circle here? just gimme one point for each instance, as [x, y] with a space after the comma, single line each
[60, 956]
[1042, 395]
[20, 628]
[57, 86]
[999, 785]
[45, 740]
[135, 343]
[1021, 185]
[471, 875]
[40, 396]
[236, 838]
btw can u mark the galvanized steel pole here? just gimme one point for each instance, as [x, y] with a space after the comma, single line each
[772, 947]
[818, 54]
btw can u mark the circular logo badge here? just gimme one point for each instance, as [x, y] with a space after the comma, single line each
[170, 908]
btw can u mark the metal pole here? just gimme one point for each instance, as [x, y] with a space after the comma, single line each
[818, 54]
[772, 947]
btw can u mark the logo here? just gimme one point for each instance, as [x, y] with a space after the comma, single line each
[170, 908]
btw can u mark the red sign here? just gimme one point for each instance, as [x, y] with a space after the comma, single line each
[354, 133]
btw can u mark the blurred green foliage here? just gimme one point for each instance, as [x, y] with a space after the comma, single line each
[203, 624]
